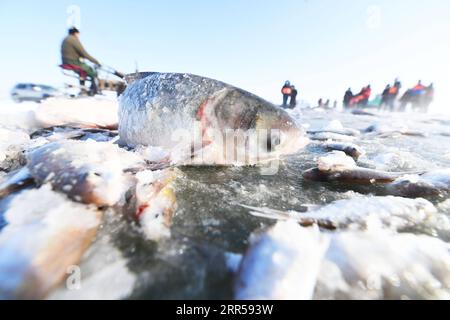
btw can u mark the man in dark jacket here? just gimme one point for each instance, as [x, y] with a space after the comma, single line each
[366, 93]
[429, 96]
[294, 93]
[73, 53]
[348, 97]
[385, 96]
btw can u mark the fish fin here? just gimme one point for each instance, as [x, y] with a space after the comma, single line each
[268, 213]
[133, 77]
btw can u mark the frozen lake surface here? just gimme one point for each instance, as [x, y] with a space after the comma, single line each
[210, 226]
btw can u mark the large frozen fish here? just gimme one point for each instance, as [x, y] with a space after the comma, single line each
[89, 112]
[432, 183]
[362, 213]
[281, 264]
[156, 201]
[337, 166]
[46, 234]
[205, 117]
[87, 171]
[291, 262]
[349, 149]
[384, 265]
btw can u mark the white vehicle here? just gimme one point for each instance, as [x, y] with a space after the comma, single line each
[32, 92]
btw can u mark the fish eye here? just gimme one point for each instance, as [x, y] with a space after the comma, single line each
[276, 141]
[272, 142]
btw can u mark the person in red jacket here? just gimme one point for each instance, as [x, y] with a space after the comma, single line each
[286, 91]
[367, 92]
[419, 88]
[364, 96]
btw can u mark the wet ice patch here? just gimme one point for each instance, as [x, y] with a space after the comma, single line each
[233, 261]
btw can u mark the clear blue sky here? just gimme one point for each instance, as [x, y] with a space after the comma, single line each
[322, 46]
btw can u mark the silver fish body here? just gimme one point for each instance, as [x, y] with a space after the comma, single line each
[158, 109]
[87, 171]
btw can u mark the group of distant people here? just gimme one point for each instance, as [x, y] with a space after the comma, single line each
[419, 97]
[361, 99]
[289, 93]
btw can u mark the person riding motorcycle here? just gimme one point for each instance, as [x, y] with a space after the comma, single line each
[73, 54]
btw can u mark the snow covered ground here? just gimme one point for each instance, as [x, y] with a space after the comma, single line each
[89, 111]
[120, 264]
